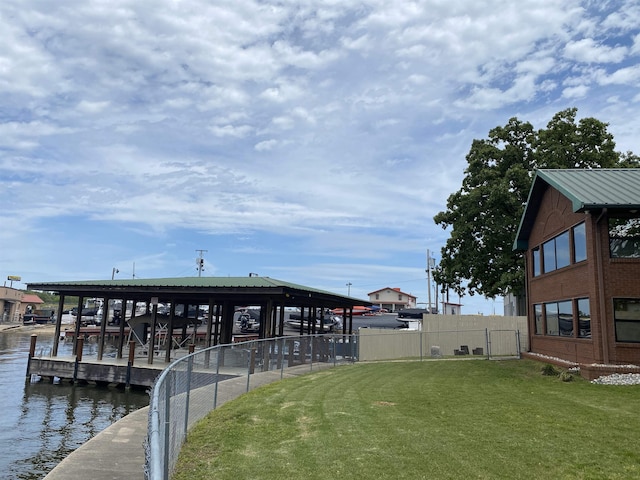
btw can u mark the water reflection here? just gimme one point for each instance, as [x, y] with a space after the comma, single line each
[41, 423]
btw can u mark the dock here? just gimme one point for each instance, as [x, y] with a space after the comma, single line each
[132, 371]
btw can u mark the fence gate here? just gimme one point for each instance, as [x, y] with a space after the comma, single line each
[503, 343]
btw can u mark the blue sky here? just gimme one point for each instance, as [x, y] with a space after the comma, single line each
[310, 141]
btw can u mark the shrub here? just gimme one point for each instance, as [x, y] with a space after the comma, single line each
[566, 377]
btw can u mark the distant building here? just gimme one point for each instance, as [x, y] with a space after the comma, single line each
[392, 299]
[451, 308]
[580, 232]
[15, 303]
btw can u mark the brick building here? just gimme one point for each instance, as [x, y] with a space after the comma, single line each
[581, 234]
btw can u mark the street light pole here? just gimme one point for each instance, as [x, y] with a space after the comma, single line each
[113, 272]
[349, 289]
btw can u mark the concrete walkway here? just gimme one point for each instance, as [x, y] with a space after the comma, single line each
[118, 451]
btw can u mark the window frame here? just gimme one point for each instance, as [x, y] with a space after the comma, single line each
[619, 323]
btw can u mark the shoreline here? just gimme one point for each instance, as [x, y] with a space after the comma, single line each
[18, 327]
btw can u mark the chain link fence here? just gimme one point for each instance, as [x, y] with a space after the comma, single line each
[380, 344]
[194, 385]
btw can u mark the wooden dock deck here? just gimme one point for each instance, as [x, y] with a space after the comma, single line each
[116, 372]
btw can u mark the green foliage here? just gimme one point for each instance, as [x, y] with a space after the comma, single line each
[485, 213]
[566, 376]
[549, 370]
[445, 419]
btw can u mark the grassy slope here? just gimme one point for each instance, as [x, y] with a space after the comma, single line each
[446, 419]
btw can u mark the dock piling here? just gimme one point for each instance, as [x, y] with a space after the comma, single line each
[32, 352]
[132, 356]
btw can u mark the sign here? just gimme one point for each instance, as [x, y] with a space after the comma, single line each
[14, 278]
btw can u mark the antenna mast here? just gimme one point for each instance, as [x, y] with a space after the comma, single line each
[200, 262]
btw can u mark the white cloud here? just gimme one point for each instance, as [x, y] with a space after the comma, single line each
[342, 124]
[587, 50]
[578, 91]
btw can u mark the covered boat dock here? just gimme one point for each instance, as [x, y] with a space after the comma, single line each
[218, 297]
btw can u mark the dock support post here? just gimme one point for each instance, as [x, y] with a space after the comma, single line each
[132, 354]
[32, 352]
[79, 346]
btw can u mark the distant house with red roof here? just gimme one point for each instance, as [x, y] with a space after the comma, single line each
[30, 301]
[392, 299]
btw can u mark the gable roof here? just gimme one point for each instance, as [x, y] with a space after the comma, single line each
[31, 298]
[397, 290]
[595, 189]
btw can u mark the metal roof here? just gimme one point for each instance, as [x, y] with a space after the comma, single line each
[237, 288]
[598, 188]
[613, 188]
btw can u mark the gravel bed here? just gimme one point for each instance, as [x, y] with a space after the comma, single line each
[618, 379]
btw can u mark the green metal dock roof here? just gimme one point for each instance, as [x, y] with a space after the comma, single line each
[241, 289]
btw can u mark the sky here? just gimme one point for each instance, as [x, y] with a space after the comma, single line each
[308, 141]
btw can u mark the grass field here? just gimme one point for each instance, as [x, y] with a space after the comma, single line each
[413, 420]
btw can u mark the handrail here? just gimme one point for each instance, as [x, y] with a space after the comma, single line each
[169, 398]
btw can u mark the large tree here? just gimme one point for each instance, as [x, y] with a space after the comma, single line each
[483, 216]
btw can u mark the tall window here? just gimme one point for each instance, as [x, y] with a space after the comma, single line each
[624, 237]
[584, 318]
[551, 313]
[565, 318]
[563, 255]
[626, 312]
[549, 255]
[579, 243]
[536, 262]
[537, 311]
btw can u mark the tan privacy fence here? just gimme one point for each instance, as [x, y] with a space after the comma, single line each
[447, 335]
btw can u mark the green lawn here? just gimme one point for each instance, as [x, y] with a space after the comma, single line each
[433, 420]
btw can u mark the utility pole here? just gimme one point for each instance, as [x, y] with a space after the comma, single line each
[430, 265]
[200, 262]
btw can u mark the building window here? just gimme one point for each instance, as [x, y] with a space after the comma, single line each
[565, 318]
[549, 255]
[561, 251]
[624, 237]
[626, 312]
[536, 261]
[558, 318]
[551, 314]
[584, 318]
[537, 311]
[579, 243]
[399, 297]
[377, 296]
[556, 253]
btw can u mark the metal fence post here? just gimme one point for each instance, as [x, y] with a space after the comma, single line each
[281, 357]
[215, 392]
[248, 367]
[167, 426]
[188, 395]
[488, 338]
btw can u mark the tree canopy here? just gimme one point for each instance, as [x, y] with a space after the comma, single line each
[485, 213]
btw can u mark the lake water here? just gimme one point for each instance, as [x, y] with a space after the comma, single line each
[41, 423]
